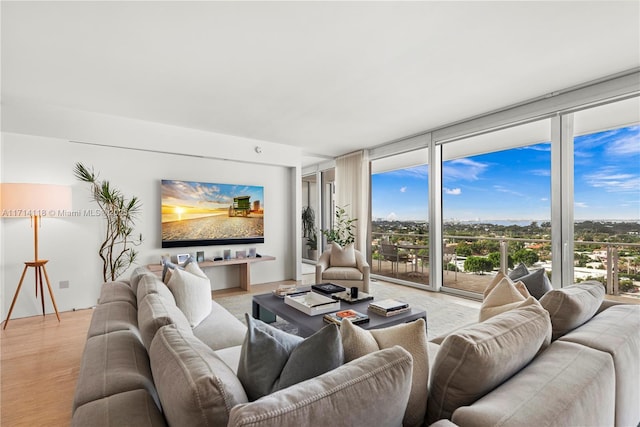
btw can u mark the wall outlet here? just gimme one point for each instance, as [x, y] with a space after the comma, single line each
[64, 284]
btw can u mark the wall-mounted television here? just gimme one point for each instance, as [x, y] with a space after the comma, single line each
[203, 213]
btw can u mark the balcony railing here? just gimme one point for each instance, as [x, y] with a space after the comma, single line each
[616, 265]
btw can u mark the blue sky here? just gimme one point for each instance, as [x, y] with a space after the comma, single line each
[205, 195]
[515, 184]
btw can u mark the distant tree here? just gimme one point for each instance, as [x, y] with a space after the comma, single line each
[494, 257]
[451, 267]
[477, 264]
[463, 249]
[527, 256]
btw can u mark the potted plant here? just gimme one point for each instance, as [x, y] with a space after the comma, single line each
[343, 231]
[312, 243]
[308, 221]
[116, 251]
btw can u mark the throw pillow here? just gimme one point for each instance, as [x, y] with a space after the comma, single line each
[195, 386]
[192, 294]
[271, 359]
[572, 306]
[343, 257]
[537, 283]
[155, 312]
[151, 284]
[518, 272]
[504, 296]
[474, 360]
[412, 337]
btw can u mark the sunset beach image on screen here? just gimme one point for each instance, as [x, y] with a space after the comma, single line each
[202, 213]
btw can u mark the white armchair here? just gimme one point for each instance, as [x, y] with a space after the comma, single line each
[343, 266]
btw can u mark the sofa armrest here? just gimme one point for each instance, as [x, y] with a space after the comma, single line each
[357, 393]
[606, 304]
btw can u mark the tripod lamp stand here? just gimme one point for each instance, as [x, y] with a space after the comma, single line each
[36, 201]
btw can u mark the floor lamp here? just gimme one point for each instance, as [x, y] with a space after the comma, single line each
[34, 201]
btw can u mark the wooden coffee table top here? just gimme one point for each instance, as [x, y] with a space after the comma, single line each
[308, 325]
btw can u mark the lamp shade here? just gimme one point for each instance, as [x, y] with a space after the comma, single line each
[24, 200]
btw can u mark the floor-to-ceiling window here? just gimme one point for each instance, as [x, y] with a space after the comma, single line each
[554, 184]
[496, 198]
[400, 217]
[606, 183]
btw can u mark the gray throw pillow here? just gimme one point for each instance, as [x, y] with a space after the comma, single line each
[520, 271]
[537, 283]
[271, 359]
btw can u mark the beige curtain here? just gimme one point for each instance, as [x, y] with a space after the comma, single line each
[352, 192]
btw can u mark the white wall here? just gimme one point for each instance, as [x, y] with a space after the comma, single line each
[71, 244]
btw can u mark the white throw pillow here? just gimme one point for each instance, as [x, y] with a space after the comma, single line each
[411, 336]
[343, 257]
[504, 295]
[192, 293]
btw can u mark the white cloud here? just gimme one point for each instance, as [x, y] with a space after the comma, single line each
[502, 189]
[581, 205]
[392, 216]
[625, 146]
[613, 181]
[452, 191]
[541, 172]
[403, 189]
[463, 169]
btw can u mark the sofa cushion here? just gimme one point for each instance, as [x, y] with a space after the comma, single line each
[342, 273]
[192, 294]
[220, 329]
[572, 306]
[342, 257]
[291, 359]
[370, 391]
[113, 316]
[566, 385]
[151, 284]
[194, 385]
[412, 336]
[113, 363]
[155, 312]
[615, 331]
[474, 360]
[117, 291]
[130, 408]
[504, 296]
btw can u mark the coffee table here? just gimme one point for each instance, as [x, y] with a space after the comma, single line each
[267, 306]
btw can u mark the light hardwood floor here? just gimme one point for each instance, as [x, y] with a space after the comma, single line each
[40, 361]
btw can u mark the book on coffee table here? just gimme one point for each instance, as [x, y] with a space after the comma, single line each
[327, 288]
[354, 316]
[388, 307]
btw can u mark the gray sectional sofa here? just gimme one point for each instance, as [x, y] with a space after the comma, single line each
[144, 365]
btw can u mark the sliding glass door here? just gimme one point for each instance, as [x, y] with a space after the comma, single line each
[496, 205]
[607, 197]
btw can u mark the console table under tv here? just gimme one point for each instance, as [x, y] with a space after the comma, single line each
[243, 263]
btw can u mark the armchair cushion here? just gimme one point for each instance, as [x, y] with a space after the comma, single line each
[342, 273]
[342, 257]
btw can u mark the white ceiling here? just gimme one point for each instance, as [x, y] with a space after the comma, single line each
[329, 77]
